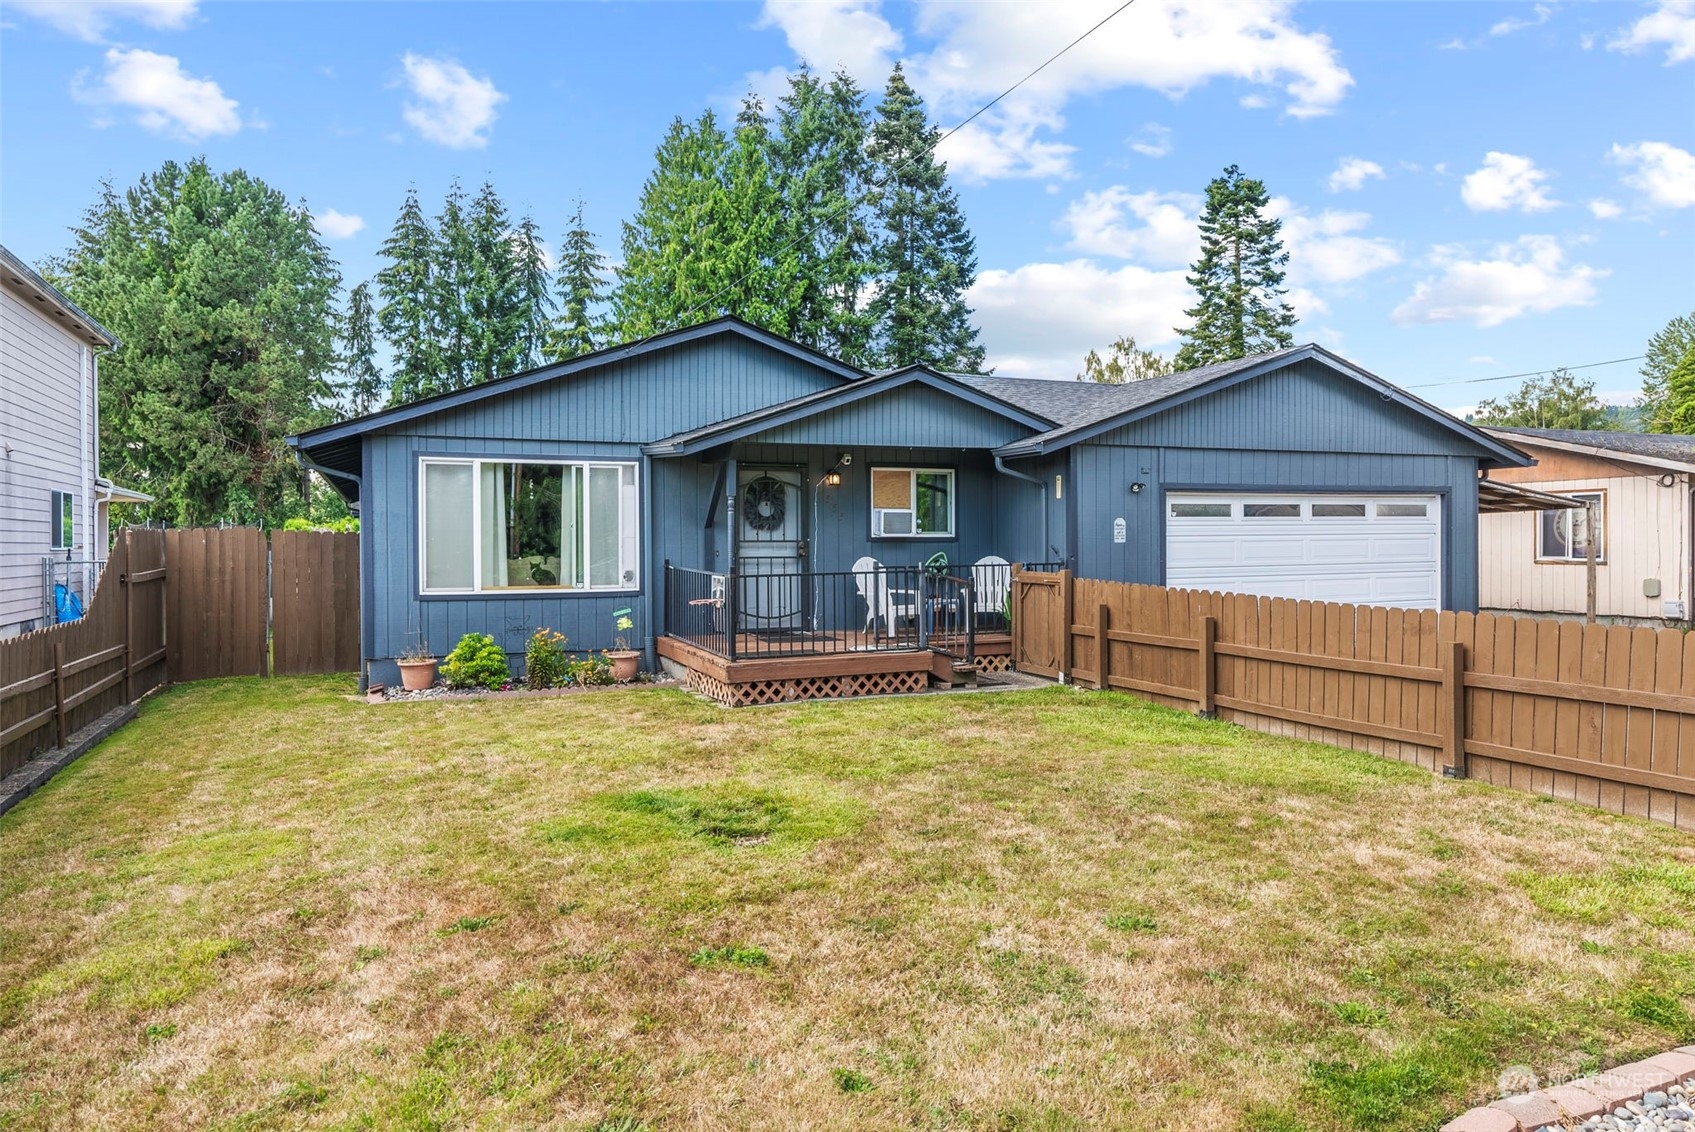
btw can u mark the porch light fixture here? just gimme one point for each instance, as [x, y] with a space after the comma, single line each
[833, 477]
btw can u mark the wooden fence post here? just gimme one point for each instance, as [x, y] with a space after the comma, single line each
[129, 623]
[1209, 667]
[1453, 708]
[1103, 646]
[1065, 623]
[59, 693]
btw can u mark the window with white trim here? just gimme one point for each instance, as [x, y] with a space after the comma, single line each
[63, 519]
[1563, 535]
[495, 526]
[912, 503]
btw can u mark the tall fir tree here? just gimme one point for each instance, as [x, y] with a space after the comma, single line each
[756, 277]
[925, 254]
[1238, 279]
[531, 293]
[1666, 351]
[818, 153]
[671, 244]
[363, 384]
[451, 284]
[492, 313]
[406, 292]
[580, 285]
[222, 294]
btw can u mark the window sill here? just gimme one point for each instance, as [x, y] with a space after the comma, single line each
[523, 592]
[914, 538]
[1599, 561]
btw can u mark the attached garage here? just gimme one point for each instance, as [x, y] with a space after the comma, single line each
[1366, 549]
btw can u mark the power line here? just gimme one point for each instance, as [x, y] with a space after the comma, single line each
[712, 301]
[1530, 373]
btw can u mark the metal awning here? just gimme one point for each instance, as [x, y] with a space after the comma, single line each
[1494, 497]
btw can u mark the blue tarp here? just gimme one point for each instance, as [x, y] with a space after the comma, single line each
[67, 606]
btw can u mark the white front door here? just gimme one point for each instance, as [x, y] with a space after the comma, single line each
[1372, 549]
[770, 508]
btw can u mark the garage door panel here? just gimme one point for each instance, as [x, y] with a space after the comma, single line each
[1363, 549]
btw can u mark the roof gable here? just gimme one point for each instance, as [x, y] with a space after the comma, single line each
[1158, 395]
[924, 416]
[836, 371]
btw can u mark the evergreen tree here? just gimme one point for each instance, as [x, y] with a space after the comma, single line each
[1238, 279]
[530, 292]
[1680, 395]
[756, 276]
[492, 315]
[818, 152]
[363, 378]
[1125, 362]
[406, 288]
[925, 254]
[1556, 401]
[222, 294]
[1666, 350]
[672, 243]
[581, 284]
[451, 283]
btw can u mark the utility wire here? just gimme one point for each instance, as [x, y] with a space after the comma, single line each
[1530, 373]
[712, 301]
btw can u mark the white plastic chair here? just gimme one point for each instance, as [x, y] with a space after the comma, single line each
[871, 578]
[991, 577]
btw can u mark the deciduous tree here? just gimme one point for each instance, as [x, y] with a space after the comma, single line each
[1558, 400]
[1125, 362]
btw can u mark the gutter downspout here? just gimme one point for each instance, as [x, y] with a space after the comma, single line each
[1041, 486]
[359, 482]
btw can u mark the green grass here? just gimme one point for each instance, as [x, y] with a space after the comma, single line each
[263, 905]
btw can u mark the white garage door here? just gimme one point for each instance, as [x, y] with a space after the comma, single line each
[1364, 549]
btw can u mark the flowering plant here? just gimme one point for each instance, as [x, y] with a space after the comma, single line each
[622, 623]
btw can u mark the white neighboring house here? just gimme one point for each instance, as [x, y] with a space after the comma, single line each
[1643, 485]
[53, 500]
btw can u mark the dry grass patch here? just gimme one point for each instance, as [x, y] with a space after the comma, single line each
[265, 906]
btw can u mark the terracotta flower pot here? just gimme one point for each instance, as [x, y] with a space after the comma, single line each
[416, 675]
[624, 664]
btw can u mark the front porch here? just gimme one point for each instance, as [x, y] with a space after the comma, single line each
[762, 637]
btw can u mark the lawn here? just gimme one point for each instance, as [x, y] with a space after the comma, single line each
[264, 905]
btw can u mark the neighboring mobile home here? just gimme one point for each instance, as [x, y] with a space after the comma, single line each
[1641, 485]
[53, 500]
[645, 476]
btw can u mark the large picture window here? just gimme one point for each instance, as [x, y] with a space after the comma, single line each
[912, 503]
[497, 526]
[1563, 535]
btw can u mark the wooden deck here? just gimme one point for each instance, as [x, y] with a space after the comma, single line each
[821, 665]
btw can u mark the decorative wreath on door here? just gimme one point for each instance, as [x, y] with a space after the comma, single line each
[764, 503]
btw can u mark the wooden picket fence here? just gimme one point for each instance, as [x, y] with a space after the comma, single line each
[60, 679]
[1591, 713]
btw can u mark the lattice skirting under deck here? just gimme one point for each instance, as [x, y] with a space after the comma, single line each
[806, 688]
[994, 664]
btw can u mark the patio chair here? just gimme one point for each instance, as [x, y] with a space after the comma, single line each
[991, 578]
[883, 604]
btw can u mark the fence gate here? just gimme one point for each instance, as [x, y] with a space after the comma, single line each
[314, 602]
[1041, 621]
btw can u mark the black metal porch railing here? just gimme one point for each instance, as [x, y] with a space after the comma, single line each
[753, 614]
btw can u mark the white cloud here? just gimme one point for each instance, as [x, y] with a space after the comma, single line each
[1327, 249]
[1154, 141]
[453, 108]
[978, 50]
[1353, 173]
[1664, 172]
[166, 99]
[1529, 276]
[1166, 236]
[89, 19]
[1039, 320]
[336, 225]
[1506, 181]
[1514, 23]
[1602, 209]
[1672, 24]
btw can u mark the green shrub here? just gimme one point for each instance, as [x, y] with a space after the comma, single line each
[545, 662]
[589, 670]
[476, 662]
[346, 525]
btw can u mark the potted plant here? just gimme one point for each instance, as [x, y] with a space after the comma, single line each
[624, 658]
[417, 668]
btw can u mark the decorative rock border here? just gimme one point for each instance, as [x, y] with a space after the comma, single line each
[1649, 1096]
[33, 775]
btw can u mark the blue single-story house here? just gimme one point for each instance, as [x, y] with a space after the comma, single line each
[646, 477]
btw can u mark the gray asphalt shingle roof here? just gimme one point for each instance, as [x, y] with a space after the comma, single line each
[1074, 403]
[1659, 446]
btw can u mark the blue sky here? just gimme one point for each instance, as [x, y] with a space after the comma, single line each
[1468, 190]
